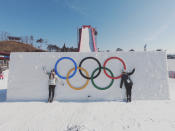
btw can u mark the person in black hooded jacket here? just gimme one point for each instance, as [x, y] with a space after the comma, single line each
[127, 82]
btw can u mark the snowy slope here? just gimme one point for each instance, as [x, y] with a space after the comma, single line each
[85, 42]
[27, 81]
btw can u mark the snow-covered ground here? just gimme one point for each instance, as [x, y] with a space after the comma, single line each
[87, 116]
[94, 116]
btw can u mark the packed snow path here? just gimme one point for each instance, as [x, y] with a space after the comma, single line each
[94, 116]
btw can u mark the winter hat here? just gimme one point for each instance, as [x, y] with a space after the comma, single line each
[53, 70]
[123, 70]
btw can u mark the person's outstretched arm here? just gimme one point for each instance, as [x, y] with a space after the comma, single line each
[121, 83]
[46, 72]
[130, 73]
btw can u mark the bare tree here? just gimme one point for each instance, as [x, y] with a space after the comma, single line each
[40, 42]
[159, 50]
[131, 50]
[64, 48]
[31, 39]
[119, 49]
[4, 36]
[53, 48]
[26, 39]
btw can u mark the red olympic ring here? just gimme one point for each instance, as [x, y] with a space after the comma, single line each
[104, 65]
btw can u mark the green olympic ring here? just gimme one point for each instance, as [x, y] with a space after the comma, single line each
[108, 86]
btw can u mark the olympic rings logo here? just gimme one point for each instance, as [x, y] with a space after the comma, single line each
[92, 76]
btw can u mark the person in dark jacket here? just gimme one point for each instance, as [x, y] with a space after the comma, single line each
[127, 82]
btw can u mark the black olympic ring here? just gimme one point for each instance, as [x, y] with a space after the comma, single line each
[93, 58]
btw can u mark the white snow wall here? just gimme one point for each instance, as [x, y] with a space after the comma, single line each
[27, 81]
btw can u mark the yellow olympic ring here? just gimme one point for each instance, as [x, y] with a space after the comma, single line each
[67, 78]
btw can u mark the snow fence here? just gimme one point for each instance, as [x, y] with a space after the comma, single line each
[28, 82]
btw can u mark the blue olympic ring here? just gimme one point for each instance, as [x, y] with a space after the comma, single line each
[63, 77]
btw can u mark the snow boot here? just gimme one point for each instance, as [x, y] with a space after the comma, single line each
[49, 100]
[127, 99]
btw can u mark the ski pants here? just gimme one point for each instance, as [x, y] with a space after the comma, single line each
[128, 92]
[51, 91]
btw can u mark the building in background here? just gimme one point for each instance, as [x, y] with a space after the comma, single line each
[4, 59]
